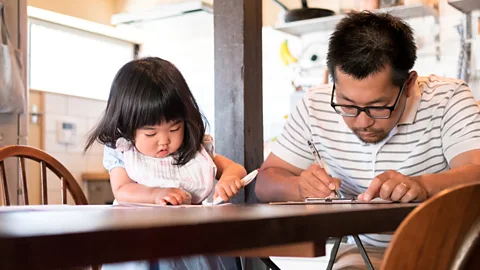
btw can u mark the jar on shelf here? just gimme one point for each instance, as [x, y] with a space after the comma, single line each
[390, 3]
[347, 6]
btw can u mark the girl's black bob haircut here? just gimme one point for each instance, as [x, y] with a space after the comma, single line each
[148, 92]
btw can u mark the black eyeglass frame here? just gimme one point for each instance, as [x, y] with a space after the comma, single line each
[365, 109]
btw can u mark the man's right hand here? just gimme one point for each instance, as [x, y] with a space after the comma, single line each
[316, 183]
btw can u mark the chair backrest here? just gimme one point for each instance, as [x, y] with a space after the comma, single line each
[441, 233]
[22, 152]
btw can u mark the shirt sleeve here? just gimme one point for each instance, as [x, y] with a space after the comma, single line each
[112, 158]
[292, 144]
[461, 123]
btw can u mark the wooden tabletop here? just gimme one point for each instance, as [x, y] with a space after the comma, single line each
[82, 235]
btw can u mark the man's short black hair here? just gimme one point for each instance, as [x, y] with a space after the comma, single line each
[364, 43]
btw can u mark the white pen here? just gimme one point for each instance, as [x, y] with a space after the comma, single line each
[322, 165]
[245, 181]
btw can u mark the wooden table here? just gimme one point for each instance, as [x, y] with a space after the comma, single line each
[82, 235]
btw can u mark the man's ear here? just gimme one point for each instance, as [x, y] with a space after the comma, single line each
[410, 85]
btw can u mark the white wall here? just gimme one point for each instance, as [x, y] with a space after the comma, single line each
[187, 42]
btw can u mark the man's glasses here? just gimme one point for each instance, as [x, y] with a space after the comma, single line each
[376, 112]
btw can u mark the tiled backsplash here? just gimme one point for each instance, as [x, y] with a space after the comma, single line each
[85, 113]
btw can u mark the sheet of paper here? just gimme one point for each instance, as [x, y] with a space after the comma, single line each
[51, 207]
[335, 201]
[170, 206]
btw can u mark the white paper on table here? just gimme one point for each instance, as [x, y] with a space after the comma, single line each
[335, 201]
[51, 207]
[170, 206]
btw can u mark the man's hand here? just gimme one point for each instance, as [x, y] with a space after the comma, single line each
[316, 183]
[394, 186]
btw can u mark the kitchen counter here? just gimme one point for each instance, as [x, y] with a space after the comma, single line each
[98, 176]
[97, 187]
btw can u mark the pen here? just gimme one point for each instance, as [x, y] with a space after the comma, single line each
[322, 165]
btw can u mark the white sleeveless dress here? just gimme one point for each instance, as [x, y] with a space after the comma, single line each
[196, 177]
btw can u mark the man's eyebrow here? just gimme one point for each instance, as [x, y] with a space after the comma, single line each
[378, 100]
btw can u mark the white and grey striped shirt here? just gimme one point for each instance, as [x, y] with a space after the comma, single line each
[441, 121]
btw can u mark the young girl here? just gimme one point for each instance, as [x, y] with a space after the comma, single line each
[156, 149]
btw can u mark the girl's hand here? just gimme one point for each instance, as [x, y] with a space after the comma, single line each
[227, 187]
[174, 196]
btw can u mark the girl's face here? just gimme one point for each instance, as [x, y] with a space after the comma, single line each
[160, 140]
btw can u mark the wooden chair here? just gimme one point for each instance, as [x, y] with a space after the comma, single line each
[22, 152]
[67, 181]
[442, 233]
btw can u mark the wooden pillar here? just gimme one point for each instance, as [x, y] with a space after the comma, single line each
[238, 84]
[13, 127]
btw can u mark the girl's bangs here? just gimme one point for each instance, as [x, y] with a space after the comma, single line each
[162, 107]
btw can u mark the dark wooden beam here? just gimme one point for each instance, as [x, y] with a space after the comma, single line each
[238, 84]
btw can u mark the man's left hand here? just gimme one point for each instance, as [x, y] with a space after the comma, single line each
[394, 186]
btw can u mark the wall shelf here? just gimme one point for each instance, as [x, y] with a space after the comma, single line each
[299, 28]
[465, 6]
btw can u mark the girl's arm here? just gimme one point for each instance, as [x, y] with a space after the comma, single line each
[126, 190]
[226, 167]
[229, 174]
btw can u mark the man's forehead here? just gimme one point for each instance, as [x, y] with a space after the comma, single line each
[381, 78]
[374, 88]
[364, 94]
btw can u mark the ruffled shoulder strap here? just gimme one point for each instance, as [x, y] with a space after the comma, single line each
[123, 145]
[209, 145]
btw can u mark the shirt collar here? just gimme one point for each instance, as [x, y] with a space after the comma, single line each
[411, 108]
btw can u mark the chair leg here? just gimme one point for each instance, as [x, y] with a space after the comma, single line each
[333, 254]
[363, 252]
[269, 263]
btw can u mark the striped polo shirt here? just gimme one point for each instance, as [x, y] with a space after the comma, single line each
[440, 121]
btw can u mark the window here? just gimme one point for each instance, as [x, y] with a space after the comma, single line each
[72, 61]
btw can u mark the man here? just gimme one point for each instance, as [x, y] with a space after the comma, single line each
[381, 130]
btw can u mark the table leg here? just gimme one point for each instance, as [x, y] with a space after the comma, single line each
[153, 265]
[239, 263]
[363, 252]
[269, 263]
[334, 252]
